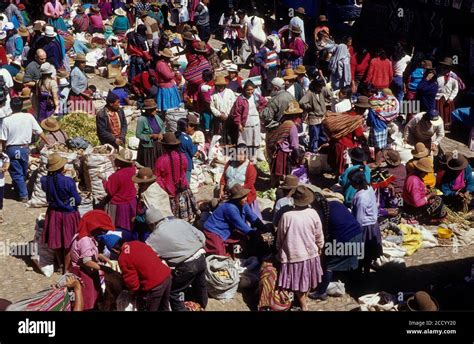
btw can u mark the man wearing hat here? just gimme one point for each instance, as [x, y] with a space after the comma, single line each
[315, 103]
[111, 122]
[457, 183]
[284, 201]
[15, 136]
[181, 246]
[32, 70]
[294, 88]
[150, 194]
[298, 21]
[448, 89]
[81, 22]
[221, 105]
[268, 60]
[322, 26]
[120, 90]
[425, 127]
[229, 217]
[277, 105]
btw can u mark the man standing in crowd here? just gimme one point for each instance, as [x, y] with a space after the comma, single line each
[15, 136]
[32, 71]
[111, 122]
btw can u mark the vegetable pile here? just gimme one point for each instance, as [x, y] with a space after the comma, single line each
[79, 124]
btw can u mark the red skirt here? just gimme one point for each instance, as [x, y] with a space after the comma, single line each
[280, 164]
[77, 103]
[445, 108]
[59, 228]
[337, 160]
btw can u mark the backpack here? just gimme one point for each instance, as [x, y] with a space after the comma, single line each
[4, 92]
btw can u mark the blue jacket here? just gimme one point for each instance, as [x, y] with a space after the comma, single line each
[426, 94]
[348, 190]
[188, 148]
[61, 195]
[342, 225]
[227, 217]
[448, 180]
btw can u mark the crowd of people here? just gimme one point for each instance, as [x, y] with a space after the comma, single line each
[344, 105]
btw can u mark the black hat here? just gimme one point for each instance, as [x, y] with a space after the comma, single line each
[358, 155]
[111, 97]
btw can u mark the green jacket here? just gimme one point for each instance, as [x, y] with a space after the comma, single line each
[144, 130]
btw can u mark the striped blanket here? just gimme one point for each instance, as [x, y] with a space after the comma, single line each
[338, 125]
[193, 72]
[271, 298]
[49, 300]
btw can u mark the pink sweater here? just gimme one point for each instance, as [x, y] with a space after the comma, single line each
[120, 186]
[380, 73]
[53, 11]
[164, 172]
[96, 21]
[164, 74]
[414, 191]
[299, 236]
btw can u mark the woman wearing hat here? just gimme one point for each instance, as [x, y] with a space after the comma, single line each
[197, 64]
[297, 48]
[418, 202]
[121, 191]
[81, 22]
[425, 127]
[120, 89]
[458, 184]
[234, 81]
[299, 241]
[121, 23]
[221, 105]
[244, 119]
[46, 93]
[365, 209]
[420, 152]
[85, 255]
[80, 97]
[14, 43]
[170, 170]
[359, 161]
[168, 96]
[240, 170]
[150, 129]
[284, 201]
[54, 11]
[282, 141]
[54, 133]
[112, 53]
[230, 221]
[62, 218]
[395, 168]
[96, 22]
[339, 227]
[448, 88]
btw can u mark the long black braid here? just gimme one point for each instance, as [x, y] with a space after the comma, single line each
[321, 204]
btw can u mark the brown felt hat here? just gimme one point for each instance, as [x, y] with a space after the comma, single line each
[200, 47]
[362, 102]
[166, 53]
[220, 81]
[290, 182]
[424, 165]
[188, 36]
[420, 151]
[293, 108]
[124, 155]
[391, 157]
[169, 139]
[303, 196]
[80, 10]
[295, 29]
[144, 175]
[289, 74]
[457, 164]
[192, 119]
[238, 191]
[427, 64]
[50, 124]
[149, 104]
[423, 302]
[447, 61]
[80, 58]
[55, 162]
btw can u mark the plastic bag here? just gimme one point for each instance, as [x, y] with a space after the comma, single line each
[222, 277]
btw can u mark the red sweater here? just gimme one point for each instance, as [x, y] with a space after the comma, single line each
[120, 186]
[250, 179]
[141, 267]
[359, 69]
[380, 73]
[3, 56]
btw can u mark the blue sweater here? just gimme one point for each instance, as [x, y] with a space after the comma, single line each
[348, 190]
[448, 181]
[188, 148]
[426, 94]
[63, 195]
[342, 225]
[227, 217]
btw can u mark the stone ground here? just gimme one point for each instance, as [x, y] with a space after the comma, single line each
[440, 270]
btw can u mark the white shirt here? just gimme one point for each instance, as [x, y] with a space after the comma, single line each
[222, 102]
[449, 90]
[17, 129]
[400, 66]
[297, 21]
[342, 106]
[254, 118]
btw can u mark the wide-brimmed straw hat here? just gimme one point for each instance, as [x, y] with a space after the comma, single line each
[220, 81]
[391, 157]
[300, 70]
[49, 32]
[289, 74]
[188, 36]
[166, 53]
[119, 81]
[238, 191]
[302, 196]
[458, 164]
[169, 139]
[290, 182]
[424, 165]
[295, 29]
[362, 102]
[120, 12]
[420, 151]
[144, 175]
[50, 124]
[293, 108]
[55, 162]
[423, 302]
[80, 58]
[25, 93]
[149, 104]
[124, 155]
[23, 31]
[18, 78]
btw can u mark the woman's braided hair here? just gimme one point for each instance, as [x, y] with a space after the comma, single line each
[321, 204]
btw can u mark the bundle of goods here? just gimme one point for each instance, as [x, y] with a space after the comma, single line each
[387, 107]
[44, 258]
[338, 125]
[98, 162]
[80, 124]
[172, 117]
[38, 198]
[222, 277]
